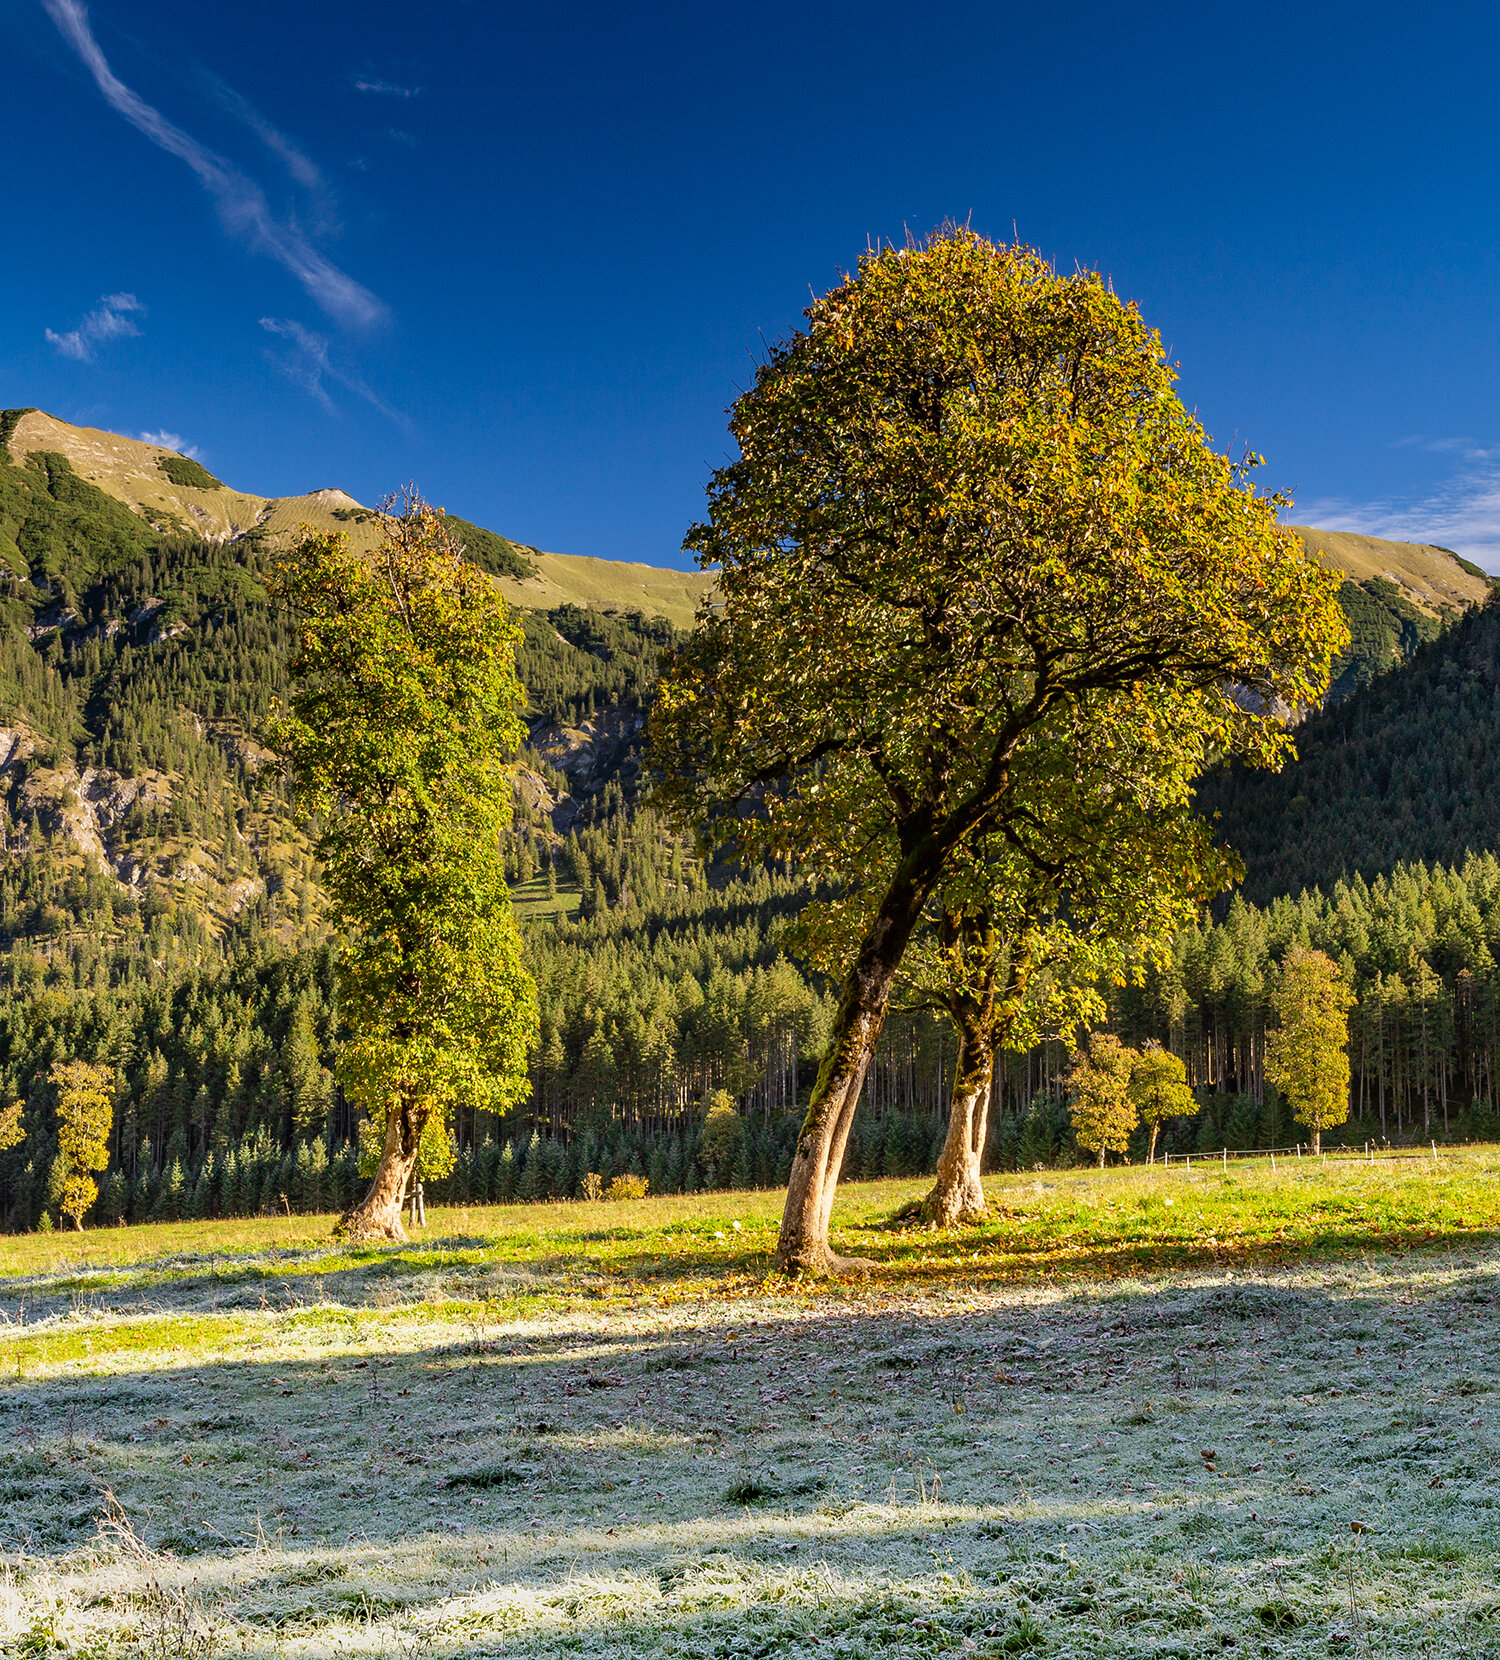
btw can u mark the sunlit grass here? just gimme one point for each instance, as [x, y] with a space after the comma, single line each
[611, 1429]
[1049, 1222]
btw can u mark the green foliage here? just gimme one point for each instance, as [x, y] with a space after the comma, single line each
[1307, 1052]
[398, 739]
[1406, 771]
[913, 476]
[495, 554]
[1103, 1110]
[576, 663]
[183, 470]
[1385, 630]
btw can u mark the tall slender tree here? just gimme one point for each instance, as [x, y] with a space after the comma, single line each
[85, 1114]
[399, 739]
[1307, 1052]
[969, 527]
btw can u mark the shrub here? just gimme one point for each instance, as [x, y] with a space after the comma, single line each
[627, 1187]
[183, 471]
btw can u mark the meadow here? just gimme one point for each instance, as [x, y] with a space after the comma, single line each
[1136, 1413]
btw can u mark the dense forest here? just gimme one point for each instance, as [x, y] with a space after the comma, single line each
[160, 910]
[1406, 771]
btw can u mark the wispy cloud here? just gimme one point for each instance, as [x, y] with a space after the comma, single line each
[109, 320]
[306, 362]
[388, 89]
[170, 441]
[1463, 513]
[300, 166]
[241, 203]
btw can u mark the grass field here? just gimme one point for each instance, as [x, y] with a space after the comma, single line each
[1138, 1413]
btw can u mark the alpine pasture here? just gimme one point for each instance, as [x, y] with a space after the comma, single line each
[1162, 1411]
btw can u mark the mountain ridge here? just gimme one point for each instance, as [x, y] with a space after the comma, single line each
[133, 472]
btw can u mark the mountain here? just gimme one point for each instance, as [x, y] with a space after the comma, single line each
[1396, 596]
[159, 904]
[177, 495]
[1408, 770]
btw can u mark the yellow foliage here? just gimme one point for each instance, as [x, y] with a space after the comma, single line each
[1307, 1053]
[627, 1187]
[85, 1113]
[1103, 1112]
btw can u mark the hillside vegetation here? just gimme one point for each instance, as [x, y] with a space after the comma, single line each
[1407, 771]
[161, 910]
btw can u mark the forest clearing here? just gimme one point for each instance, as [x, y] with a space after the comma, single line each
[1143, 1411]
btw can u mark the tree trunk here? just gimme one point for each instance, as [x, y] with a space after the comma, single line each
[802, 1247]
[378, 1214]
[1101, 1158]
[958, 1194]
[1151, 1144]
[1317, 1141]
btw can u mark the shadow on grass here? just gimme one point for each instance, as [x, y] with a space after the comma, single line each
[947, 1259]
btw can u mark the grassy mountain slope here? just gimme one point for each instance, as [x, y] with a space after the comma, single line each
[176, 495]
[1431, 578]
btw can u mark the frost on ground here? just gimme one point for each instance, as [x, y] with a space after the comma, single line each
[1289, 1464]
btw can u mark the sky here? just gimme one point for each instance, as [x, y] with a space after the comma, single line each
[526, 256]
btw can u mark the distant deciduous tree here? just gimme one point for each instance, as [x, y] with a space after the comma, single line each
[12, 1130]
[1307, 1051]
[400, 739]
[1159, 1089]
[85, 1112]
[1099, 1083]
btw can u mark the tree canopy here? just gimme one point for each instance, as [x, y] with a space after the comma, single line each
[399, 738]
[971, 533]
[1307, 1051]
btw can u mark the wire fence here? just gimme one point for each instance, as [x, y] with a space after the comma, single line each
[1371, 1153]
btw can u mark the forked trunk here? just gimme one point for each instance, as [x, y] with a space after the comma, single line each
[802, 1247]
[958, 1194]
[378, 1214]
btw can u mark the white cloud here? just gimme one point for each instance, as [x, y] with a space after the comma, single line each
[241, 203]
[1462, 514]
[387, 89]
[171, 441]
[109, 320]
[306, 363]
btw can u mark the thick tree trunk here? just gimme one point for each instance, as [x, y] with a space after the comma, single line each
[958, 1194]
[803, 1245]
[378, 1214]
[1317, 1142]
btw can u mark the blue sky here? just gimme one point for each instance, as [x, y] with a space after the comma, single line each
[525, 255]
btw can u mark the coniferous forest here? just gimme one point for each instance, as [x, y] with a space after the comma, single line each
[160, 908]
